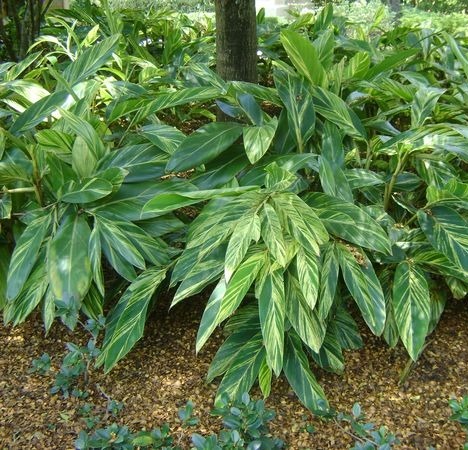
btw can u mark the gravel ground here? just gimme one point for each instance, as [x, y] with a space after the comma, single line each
[163, 372]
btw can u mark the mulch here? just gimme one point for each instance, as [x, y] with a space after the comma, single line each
[163, 372]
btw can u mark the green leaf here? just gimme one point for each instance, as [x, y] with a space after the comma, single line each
[68, 263]
[246, 231]
[447, 231]
[94, 251]
[5, 206]
[329, 272]
[272, 311]
[349, 222]
[118, 239]
[37, 112]
[91, 60]
[278, 179]
[18, 310]
[394, 60]
[163, 136]
[300, 377]
[83, 159]
[330, 356]
[451, 193]
[25, 254]
[203, 145]
[170, 201]
[334, 109]
[308, 272]
[126, 321]
[257, 139]
[412, 306]
[295, 94]
[310, 328]
[272, 234]
[220, 307]
[364, 286]
[334, 181]
[264, 378]
[423, 104]
[84, 129]
[206, 269]
[303, 55]
[4, 263]
[248, 328]
[243, 370]
[300, 220]
[86, 191]
[347, 331]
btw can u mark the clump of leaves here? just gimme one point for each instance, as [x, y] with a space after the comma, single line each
[460, 414]
[246, 422]
[367, 436]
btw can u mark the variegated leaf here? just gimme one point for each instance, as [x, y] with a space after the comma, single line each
[25, 254]
[272, 311]
[412, 306]
[364, 286]
[125, 323]
[246, 231]
[447, 231]
[68, 263]
[272, 235]
[300, 377]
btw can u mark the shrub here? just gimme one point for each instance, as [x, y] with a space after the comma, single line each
[344, 184]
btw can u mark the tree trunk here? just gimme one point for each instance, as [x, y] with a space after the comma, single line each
[236, 40]
[395, 6]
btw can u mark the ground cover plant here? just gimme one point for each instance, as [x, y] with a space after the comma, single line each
[342, 186]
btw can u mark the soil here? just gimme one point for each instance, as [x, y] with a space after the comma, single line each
[163, 372]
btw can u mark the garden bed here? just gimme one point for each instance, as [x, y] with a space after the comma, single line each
[163, 372]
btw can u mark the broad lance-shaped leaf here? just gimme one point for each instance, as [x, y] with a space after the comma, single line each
[86, 191]
[272, 311]
[412, 306]
[364, 286]
[334, 109]
[126, 321]
[295, 94]
[232, 346]
[25, 255]
[264, 378]
[272, 234]
[37, 112]
[68, 263]
[300, 377]
[170, 201]
[4, 263]
[257, 139]
[303, 55]
[222, 304]
[246, 231]
[349, 222]
[308, 270]
[18, 310]
[91, 60]
[300, 220]
[310, 328]
[244, 369]
[329, 272]
[203, 145]
[447, 231]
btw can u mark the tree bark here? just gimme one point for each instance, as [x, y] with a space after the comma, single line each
[395, 6]
[236, 40]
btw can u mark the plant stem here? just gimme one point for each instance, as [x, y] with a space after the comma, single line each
[20, 190]
[389, 188]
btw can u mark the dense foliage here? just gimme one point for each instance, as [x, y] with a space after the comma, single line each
[339, 186]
